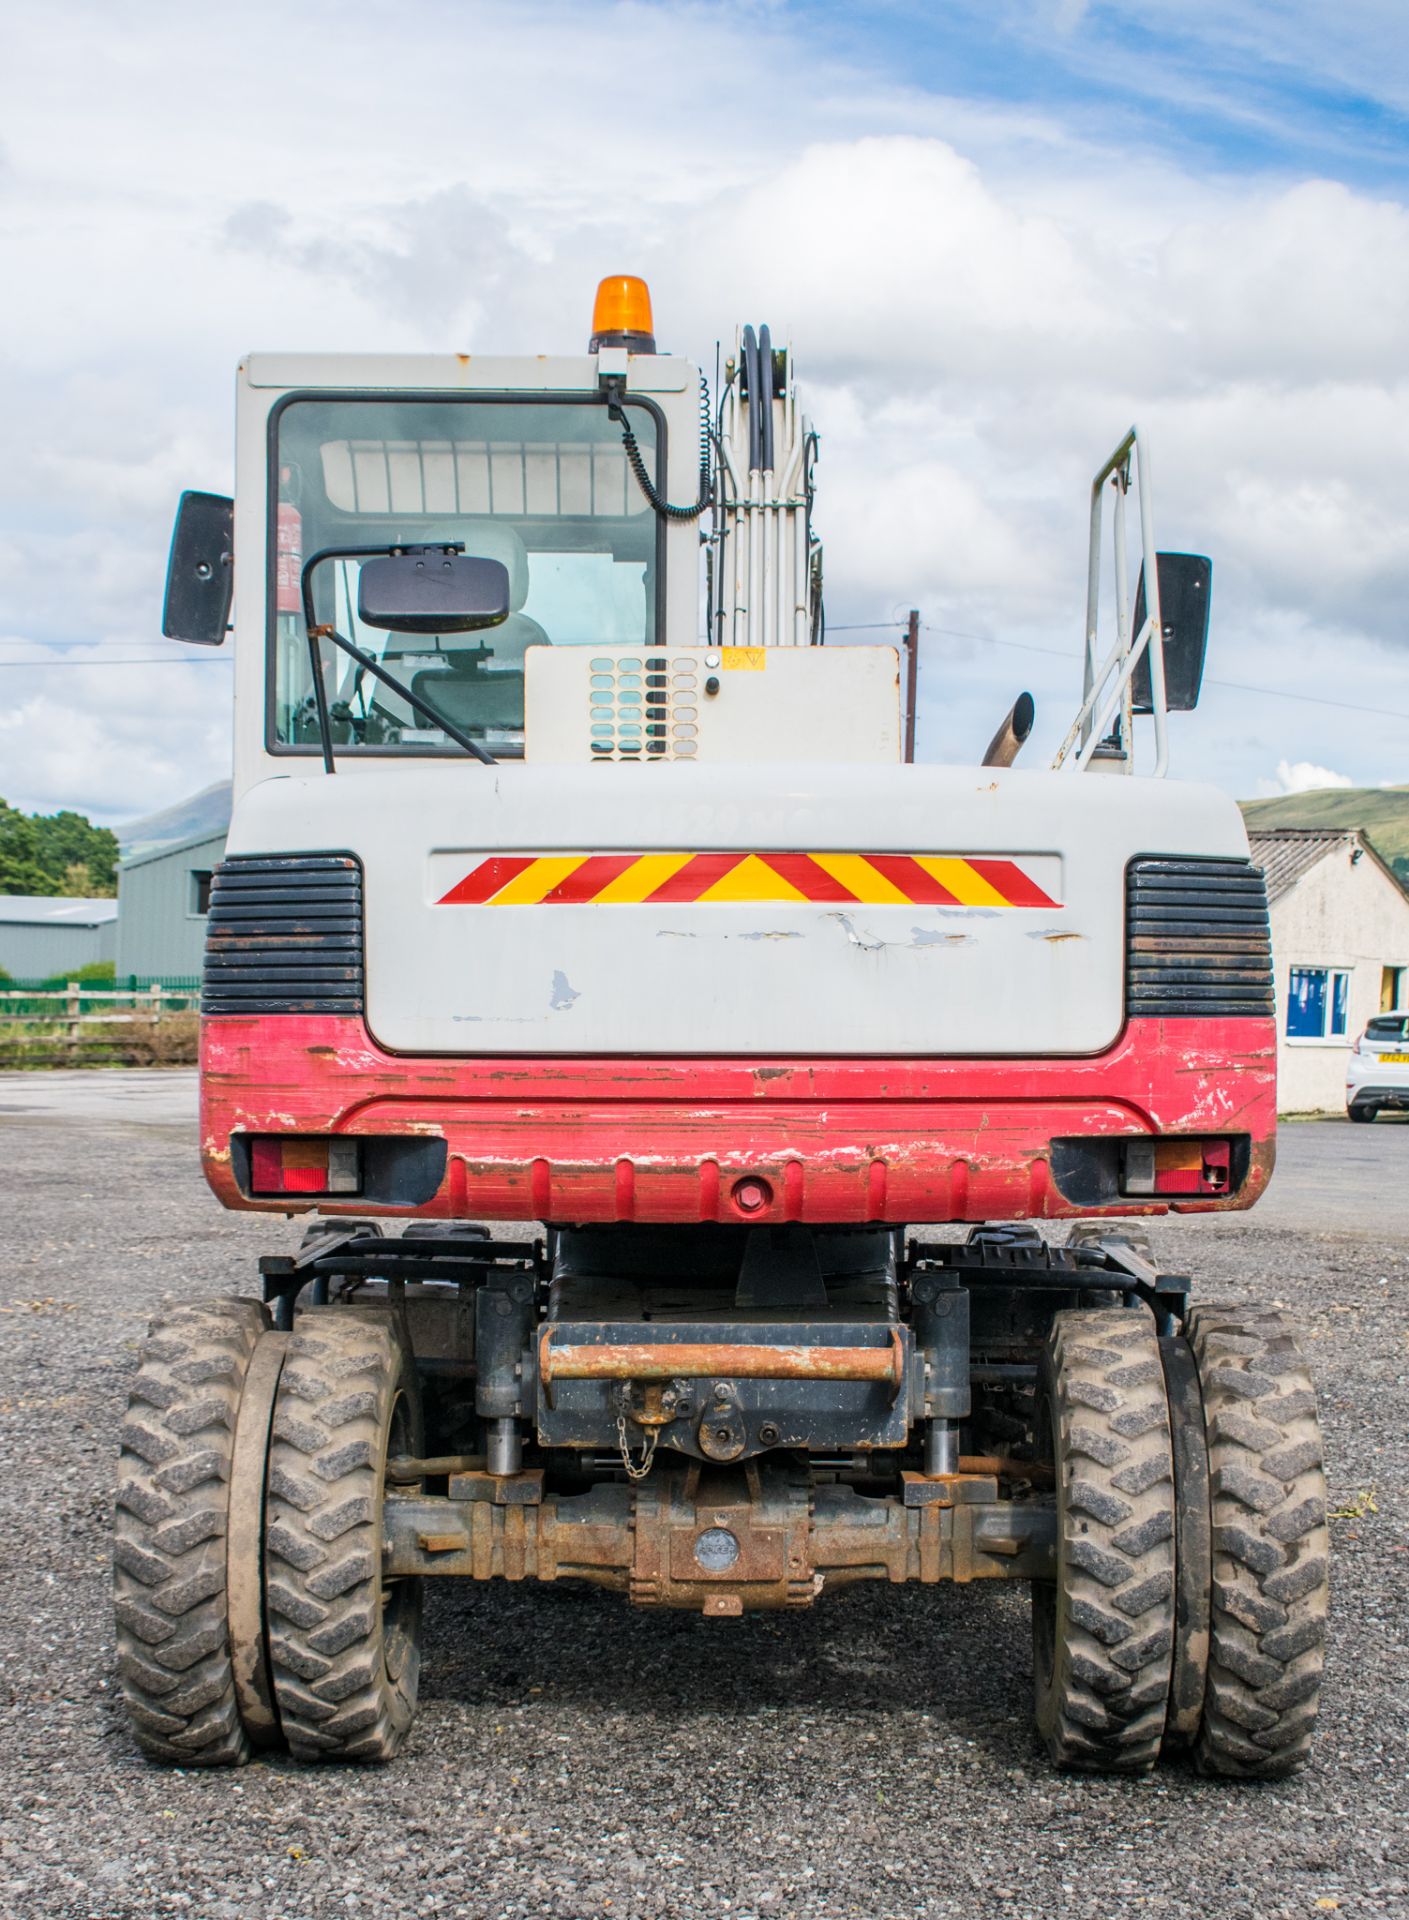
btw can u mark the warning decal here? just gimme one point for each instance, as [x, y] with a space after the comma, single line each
[745, 879]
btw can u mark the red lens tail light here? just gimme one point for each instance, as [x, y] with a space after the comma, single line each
[303, 1163]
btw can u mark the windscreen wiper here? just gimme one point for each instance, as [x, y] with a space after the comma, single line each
[319, 632]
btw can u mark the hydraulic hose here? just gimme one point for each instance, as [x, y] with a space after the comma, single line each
[761, 400]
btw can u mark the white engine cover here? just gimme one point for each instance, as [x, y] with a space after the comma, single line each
[991, 922]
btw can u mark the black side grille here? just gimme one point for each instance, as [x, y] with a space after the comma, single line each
[284, 935]
[1197, 938]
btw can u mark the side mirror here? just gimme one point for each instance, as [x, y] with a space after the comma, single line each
[433, 592]
[200, 572]
[1185, 586]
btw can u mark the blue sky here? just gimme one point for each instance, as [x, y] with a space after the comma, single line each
[1283, 87]
[995, 233]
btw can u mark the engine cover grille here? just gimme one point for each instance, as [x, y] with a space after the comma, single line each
[284, 935]
[1197, 939]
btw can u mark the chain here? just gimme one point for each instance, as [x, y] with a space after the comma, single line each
[636, 1470]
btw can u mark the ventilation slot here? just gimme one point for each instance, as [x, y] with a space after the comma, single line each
[1197, 939]
[284, 935]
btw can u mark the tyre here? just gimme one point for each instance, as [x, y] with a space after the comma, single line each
[1362, 1113]
[1271, 1549]
[169, 1533]
[1103, 1629]
[344, 1647]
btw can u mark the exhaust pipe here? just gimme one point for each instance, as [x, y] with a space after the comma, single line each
[1003, 748]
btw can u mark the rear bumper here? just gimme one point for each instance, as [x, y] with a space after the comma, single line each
[656, 1140]
[1375, 1094]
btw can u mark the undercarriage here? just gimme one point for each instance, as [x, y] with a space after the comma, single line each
[721, 1419]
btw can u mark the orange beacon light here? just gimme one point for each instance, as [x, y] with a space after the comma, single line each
[621, 315]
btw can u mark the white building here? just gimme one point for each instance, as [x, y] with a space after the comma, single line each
[1340, 950]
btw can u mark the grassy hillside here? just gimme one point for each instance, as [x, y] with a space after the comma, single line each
[1381, 812]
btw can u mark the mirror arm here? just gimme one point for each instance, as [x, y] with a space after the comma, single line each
[317, 633]
[315, 657]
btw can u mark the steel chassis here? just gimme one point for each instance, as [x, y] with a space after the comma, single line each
[757, 1525]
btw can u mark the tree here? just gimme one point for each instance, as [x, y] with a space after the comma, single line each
[70, 839]
[56, 853]
[22, 868]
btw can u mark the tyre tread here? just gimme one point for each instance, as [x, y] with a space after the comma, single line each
[1270, 1545]
[169, 1525]
[323, 1544]
[1103, 1706]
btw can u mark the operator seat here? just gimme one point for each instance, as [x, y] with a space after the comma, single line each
[470, 689]
[494, 540]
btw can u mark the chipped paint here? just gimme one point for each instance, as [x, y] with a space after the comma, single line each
[930, 937]
[562, 994]
[873, 944]
[901, 1139]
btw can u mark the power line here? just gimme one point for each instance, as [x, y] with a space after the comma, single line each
[156, 660]
[871, 626]
[1234, 686]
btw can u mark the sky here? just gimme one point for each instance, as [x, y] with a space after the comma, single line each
[996, 234]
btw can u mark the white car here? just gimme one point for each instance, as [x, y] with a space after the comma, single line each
[1377, 1073]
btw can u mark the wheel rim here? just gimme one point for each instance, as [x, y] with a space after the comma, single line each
[400, 1599]
[1044, 1592]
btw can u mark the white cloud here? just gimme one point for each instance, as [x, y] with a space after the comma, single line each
[981, 302]
[1303, 777]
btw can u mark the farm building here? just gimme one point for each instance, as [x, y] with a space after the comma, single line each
[1340, 949]
[163, 898]
[42, 936]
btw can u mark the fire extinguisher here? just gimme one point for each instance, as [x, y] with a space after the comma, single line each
[288, 553]
[288, 605]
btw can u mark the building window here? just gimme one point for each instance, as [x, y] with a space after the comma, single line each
[200, 890]
[1391, 988]
[1318, 1003]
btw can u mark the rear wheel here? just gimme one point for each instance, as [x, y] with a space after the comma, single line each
[170, 1577]
[1271, 1549]
[1103, 1629]
[1363, 1113]
[344, 1645]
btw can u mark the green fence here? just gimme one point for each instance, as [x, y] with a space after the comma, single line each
[87, 1023]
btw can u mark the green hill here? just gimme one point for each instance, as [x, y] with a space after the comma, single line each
[1382, 813]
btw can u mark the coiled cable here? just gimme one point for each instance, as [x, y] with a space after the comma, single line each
[643, 479]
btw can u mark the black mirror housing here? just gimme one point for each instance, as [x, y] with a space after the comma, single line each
[432, 591]
[1185, 590]
[200, 574]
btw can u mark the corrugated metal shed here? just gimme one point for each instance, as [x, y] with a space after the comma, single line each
[41, 935]
[163, 900]
[1286, 853]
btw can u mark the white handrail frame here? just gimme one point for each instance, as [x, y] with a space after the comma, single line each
[1107, 684]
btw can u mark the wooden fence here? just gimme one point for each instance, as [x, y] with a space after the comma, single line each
[79, 1025]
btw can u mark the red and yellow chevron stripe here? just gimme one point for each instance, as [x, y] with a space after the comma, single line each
[750, 879]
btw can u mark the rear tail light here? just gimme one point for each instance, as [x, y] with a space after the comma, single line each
[304, 1163]
[1176, 1166]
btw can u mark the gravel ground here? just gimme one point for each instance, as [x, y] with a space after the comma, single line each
[872, 1757]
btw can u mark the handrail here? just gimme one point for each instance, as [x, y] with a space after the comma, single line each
[1106, 687]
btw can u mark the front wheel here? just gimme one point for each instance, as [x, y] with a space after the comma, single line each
[1103, 1629]
[1362, 1114]
[1271, 1549]
[178, 1502]
[344, 1644]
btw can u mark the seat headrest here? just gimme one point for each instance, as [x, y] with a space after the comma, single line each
[493, 540]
